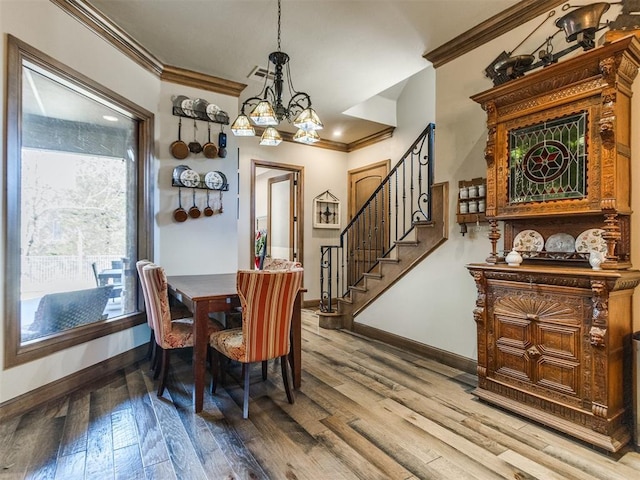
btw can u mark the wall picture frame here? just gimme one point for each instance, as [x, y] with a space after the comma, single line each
[326, 211]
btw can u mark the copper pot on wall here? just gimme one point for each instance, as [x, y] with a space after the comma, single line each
[179, 149]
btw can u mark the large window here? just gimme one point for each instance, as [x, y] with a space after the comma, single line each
[77, 218]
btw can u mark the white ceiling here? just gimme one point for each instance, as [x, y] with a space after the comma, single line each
[343, 52]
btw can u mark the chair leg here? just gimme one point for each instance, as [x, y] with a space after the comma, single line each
[285, 379]
[152, 341]
[156, 362]
[165, 370]
[245, 404]
[265, 364]
[215, 369]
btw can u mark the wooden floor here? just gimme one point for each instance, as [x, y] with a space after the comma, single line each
[365, 411]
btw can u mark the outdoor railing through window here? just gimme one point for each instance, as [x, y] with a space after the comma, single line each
[402, 199]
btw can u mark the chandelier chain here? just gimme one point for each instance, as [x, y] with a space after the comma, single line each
[279, 15]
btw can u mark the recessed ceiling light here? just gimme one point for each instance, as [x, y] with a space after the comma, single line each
[337, 133]
[110, 118]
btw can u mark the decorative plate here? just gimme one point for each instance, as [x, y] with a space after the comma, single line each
[176, 174]
[190, 178]
[215, 180]
[528, 241]
[560, 242]
[591, 240]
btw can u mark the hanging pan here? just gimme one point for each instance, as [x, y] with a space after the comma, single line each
[179, 149]
[209, 149]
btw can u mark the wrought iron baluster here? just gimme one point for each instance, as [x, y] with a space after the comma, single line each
[373, 231]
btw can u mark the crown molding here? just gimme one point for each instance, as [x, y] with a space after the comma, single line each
[102, 26]
[97, 22]
[191, 78]
[371, 139]
[490, 29]
[288, 137]
[338, 146]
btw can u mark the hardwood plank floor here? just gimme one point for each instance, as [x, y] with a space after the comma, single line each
[366, 410]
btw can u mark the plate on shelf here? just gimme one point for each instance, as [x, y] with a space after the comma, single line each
[190, 178]
[560, 242]
[528, 241]
[591, 241]
[176, 174]
[215, 180]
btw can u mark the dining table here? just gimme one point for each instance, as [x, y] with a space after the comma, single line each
[207, 293]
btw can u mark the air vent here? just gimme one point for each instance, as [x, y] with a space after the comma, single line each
[258, 73]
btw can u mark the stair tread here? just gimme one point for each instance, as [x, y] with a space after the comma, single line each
[357, 288]
[424, 223]
[372, 275]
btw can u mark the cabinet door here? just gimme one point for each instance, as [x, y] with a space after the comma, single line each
[537, 332]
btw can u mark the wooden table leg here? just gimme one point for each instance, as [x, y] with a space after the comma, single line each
[200, 340]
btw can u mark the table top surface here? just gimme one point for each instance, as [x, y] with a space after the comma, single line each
[200, 287]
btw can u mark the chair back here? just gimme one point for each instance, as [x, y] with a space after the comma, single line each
[267, 299]
[64, 310]
[156, 281]
[279, 264]
[140, 264]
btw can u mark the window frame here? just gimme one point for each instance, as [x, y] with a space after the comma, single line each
[14, 352]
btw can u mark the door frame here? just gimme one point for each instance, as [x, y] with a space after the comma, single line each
[298, 171]
[290, 176]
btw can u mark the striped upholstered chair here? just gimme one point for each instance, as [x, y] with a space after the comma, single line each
[267, 299]
[169, 334]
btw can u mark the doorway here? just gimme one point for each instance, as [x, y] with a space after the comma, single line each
[276, 209]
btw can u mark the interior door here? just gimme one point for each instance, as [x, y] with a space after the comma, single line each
[281, 217]
[369, 237]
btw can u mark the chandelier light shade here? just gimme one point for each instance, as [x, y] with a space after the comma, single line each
[308, 120]
[268, 108]
[306, 136]
[270, 137]
[242, 127]
[263, 115]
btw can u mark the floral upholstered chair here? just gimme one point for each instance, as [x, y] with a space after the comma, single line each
[267, 299]
[169, 334]
[145, 293]
[279, 264]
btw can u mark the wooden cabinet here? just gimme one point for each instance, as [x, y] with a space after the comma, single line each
[554, 335]
[554, 345]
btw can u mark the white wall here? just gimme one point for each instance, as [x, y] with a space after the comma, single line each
[196, 246]
[204, 244]
[323, 169]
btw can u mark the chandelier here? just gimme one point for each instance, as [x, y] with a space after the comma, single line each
[268, 107]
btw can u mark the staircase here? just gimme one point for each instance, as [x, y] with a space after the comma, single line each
[403, 221]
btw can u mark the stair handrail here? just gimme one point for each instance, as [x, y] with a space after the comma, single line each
[380, 239]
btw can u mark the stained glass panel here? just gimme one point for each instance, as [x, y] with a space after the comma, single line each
[548, 161]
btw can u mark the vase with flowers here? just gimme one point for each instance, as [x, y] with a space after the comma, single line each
[260, 246]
